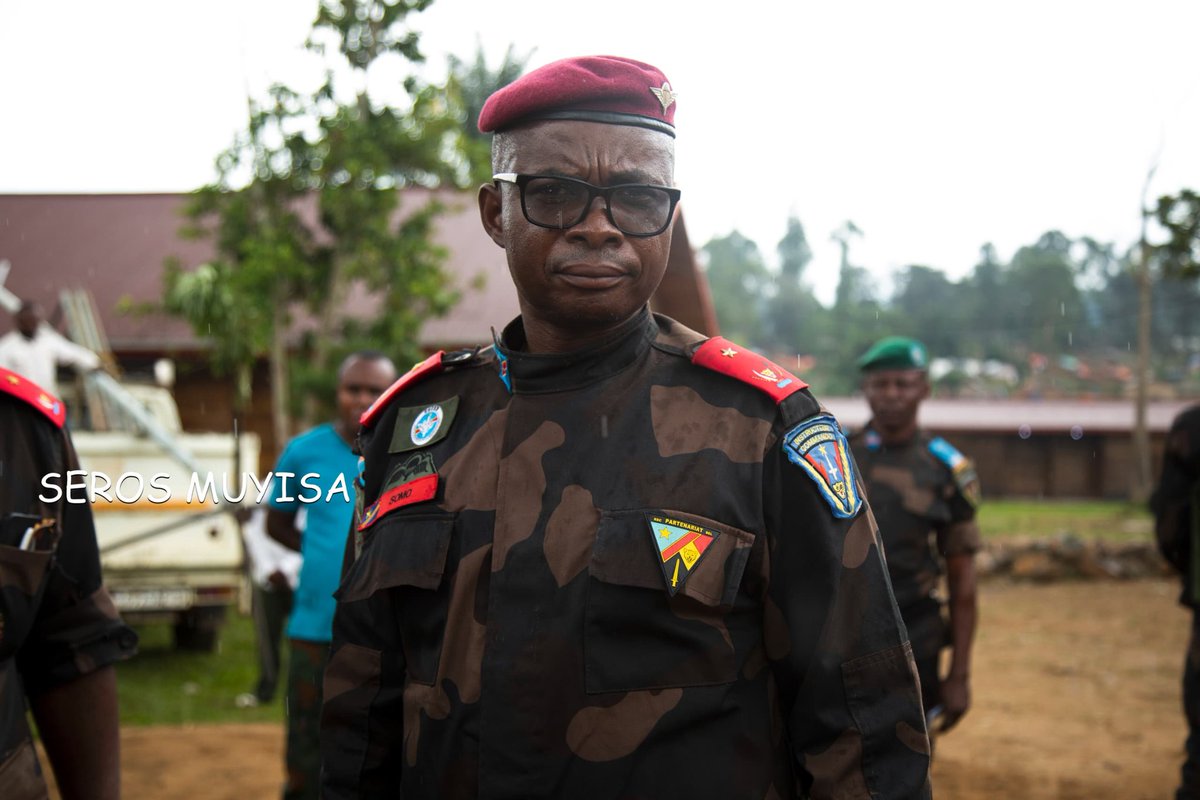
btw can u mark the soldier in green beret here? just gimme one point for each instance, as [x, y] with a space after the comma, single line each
[924, 493]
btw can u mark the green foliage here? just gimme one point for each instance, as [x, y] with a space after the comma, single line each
[1042, 519]
[319, 220]
[1063, 312]
[738, 277]
[1179, 215]
[469, 87]
[164, 686]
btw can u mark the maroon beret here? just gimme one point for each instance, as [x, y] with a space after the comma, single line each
[610, 89]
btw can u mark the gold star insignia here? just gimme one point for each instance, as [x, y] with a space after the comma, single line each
[13, 379]
[665, 95]
[729, 352]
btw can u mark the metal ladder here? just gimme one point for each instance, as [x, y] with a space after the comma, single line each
[84, 328]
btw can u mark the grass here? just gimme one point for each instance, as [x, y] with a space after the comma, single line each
[1112, 521]
[162, 686]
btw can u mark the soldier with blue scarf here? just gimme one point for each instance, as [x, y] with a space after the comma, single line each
[924, 494]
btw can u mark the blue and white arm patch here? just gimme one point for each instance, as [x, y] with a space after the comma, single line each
[819, 447]
[960, 467]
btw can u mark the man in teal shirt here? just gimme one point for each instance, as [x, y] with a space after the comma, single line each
[316, 471]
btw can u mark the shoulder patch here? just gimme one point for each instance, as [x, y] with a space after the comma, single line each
[430, 366]
[960, 467]
[819, 447]
[24, 389]
[721, 355]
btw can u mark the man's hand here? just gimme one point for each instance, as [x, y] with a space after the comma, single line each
[956, 700]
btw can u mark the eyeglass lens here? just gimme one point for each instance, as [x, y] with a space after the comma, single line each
[562, 203]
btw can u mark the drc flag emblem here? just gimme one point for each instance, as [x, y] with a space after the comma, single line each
[819, 448]
[680, 547]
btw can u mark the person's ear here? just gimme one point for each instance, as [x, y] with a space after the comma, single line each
[491, 212]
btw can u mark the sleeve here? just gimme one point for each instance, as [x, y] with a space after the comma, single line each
[283, 495]
[847, 681]
[77, 629]
[362, 722]
[67, 352]
[961, 535]
[1171, 500]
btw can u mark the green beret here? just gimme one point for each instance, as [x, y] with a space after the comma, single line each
[894, 352]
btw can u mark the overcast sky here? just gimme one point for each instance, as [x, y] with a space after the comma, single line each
[934, 126]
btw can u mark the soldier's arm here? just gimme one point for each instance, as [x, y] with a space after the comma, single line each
[956, 688]
[835, 640]
[958, 542]
[1170, 502]
[84, 748]
[67, 661]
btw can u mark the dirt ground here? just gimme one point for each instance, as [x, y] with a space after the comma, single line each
[1076, 696]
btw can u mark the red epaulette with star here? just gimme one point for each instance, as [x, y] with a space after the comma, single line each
[24, 389]
[721, 355]
[422, 369]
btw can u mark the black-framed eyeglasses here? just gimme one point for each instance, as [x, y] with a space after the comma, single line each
[552, 201]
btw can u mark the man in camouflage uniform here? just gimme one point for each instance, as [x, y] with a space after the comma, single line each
[1176, 506]
[608, 557]
[59, 631]
[923, 493]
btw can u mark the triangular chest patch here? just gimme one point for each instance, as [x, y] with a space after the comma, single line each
[680, 545]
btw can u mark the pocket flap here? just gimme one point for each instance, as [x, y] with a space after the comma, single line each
[401, 551]
[642, 548]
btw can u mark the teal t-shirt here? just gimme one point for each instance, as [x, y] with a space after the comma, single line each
[324, 468]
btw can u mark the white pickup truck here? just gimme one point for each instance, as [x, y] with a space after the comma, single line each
[166, 552]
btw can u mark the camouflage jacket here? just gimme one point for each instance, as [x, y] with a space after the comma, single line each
[924, 495]
[619, 586]
[57, 622]
[1176, 502]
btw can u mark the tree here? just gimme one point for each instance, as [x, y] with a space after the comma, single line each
[1049, 309]
[470, 85]
[931, 308]
[1179, 215]
[362, 155]
[238, 301]
[988, 304]
[345, 157]
[857, 319]
[740, 285]
[794, 317]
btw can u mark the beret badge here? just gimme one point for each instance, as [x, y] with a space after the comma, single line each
[666, 96]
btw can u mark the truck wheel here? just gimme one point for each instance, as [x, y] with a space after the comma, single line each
[196, 630]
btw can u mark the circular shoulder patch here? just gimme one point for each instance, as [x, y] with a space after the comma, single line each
[426, 425]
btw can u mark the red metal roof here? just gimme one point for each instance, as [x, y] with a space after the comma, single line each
[115, 246]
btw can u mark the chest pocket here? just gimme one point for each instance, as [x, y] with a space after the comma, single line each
[637, 634]
[407, 559]
[22, 581]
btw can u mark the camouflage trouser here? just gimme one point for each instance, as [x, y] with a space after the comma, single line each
[1189, 787]
[306, 670]
[927, 631]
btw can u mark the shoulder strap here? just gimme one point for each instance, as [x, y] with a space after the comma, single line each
[431, 366]
[721, 355]
[24, 389]
[960, 468]
[421, 370]
[945, 452]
